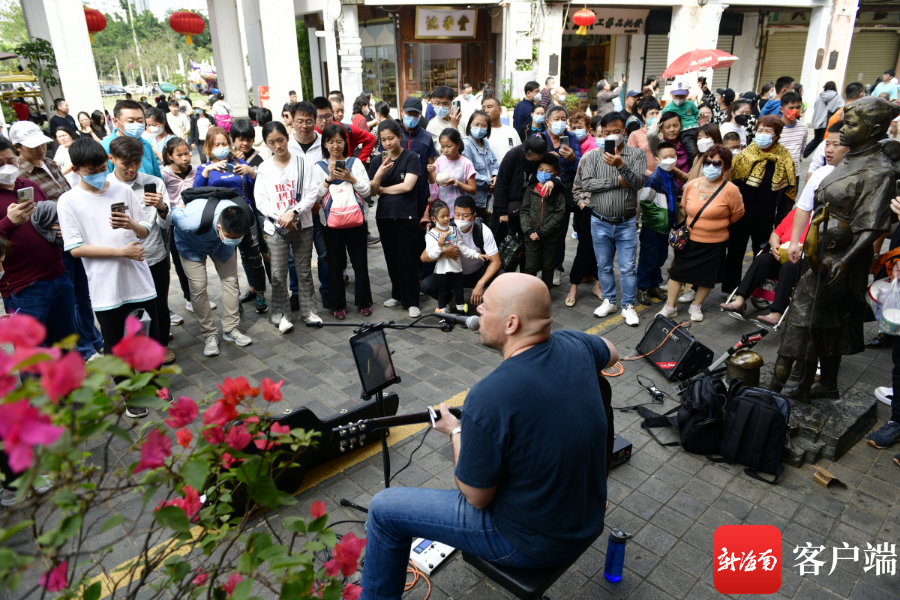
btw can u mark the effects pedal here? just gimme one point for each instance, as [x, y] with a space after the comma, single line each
[428, 555]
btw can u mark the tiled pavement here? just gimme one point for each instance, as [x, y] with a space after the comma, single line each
[670, 500]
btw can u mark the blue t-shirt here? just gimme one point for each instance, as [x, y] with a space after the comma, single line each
[772, 107]
[536, 429]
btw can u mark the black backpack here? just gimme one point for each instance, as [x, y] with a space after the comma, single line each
[755, 430]
[700, 417]
[213, 195]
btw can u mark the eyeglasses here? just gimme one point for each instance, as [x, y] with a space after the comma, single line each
[306, 122]
[712, 163]
[324, 117]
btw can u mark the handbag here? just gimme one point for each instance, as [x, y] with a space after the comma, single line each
[680, 236]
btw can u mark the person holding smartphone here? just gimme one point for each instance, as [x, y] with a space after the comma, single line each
[445, 114]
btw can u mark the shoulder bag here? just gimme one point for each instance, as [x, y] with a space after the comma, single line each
[679, 237]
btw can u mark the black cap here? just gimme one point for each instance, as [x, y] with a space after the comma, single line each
[411, 104]
[727, 94]
[749, 96]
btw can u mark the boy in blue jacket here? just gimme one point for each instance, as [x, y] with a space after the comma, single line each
[659, 210]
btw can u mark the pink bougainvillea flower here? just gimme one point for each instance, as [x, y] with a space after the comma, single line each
[154, 451]
[201, 578]
[162, 393]
[276, 431]
[181, 413]
[42, 355]
[139, 351]
[21, 428]
[271, 391]
[234, 390]
[220, 413]
[280, 429]
[214, 435]
[317, 509]
[61, 377]
[351, 592]
[333, 568]
[22, 330]
[227, 461]
[184, 437]
[190, 504]
[55, 579]
[346, 553]
[238, 437]
[232, 582]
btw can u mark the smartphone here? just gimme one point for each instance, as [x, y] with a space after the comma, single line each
[610, 146]
[117, 207]
[457, 104]
[229, 168]
[342, 164]
[564, 141]
[385, 155]
[149, 188]
[25, 195]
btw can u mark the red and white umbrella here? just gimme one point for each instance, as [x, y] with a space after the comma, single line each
[698, 60]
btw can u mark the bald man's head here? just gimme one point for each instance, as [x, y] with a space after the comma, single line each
[516, 308]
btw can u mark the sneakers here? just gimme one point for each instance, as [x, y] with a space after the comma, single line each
[175, 319]
[696, 313]
[886, 436]
[643, 296]
[631, 317]
[261, 305]
[248, 296]
[371, 240]
[688, 296]
[94, 357]
[391, 302]
[237, 337]
[212, 306]
[656, 292]
[414, 312]
[211, 347]
[284, 325]
[312, 318]
[557, 276]
[885, 394]
[605, 308]
[668, 312]
[366, 312]
[170, 357]
[136, 412]
[9, 497]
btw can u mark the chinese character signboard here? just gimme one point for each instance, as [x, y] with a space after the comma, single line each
[747, 559]
[445, 23]
[612, 21]
[263, 91]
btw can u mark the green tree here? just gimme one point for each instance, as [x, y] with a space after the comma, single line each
[12, 26]
[305, 59]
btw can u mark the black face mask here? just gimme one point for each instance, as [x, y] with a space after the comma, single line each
[532, 165]
[742, 120]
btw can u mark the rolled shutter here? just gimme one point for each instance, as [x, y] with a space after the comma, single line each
[720, 76]
[656, 56]
[871, 54]
[784, 55]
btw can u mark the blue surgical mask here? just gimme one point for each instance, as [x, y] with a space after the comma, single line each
[134, 130]
[231, 242]
[478, 132]
[468, 96]
[651, 121]
[411, 122]
[579, 133]
[96, 180]
[763, 140]
[537, 119]
[558, 127]
[221, 152]
[441, 112]
[544, 176]
[712, 173]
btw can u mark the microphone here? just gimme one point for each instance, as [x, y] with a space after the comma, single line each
[467, 322]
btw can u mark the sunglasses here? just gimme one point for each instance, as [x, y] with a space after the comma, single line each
[712, 163]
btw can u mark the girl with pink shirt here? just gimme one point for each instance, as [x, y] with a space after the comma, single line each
[459, 170]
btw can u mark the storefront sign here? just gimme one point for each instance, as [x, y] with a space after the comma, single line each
[612, 21]
[446, 23]
[263, 92]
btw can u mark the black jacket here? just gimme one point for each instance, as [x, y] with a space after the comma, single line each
[542, 215]
[511, 178]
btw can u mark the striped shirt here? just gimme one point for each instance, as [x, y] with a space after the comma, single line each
[794, 139]
[602, 182]
[49, 177]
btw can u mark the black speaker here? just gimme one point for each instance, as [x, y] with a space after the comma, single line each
[680, 356]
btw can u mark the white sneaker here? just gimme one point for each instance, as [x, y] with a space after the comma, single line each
[8, 497]
[391, 302]
[631, 317]
[212, 306]
[414, 312]
[312, 318]
[175, 319]
[189, 307]
[237, 337]
[211, 347]
[557, 276]
[696, 313]
[605, 308]
[885, 394]
[688, 296]
[284, 326]
[667, 311]
[94, 357]
[136, 412]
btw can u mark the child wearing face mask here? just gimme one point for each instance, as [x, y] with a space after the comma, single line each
[689, 114]
[452, 174]
[479, 152]
[158, 132]
[659, 212]
[449, 271]
[541, 217]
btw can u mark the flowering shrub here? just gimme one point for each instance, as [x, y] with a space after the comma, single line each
[65, 422]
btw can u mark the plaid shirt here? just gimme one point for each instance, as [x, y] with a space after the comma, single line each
[50, 177]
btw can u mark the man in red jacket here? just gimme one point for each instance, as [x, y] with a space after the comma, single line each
[358, 137]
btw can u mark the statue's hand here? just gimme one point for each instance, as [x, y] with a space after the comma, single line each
[838, 271]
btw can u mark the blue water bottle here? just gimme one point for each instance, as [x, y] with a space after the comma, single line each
[615, 555]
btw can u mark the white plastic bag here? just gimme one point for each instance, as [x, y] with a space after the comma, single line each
[889, 322]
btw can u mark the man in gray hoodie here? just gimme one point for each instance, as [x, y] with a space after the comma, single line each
[828, 103]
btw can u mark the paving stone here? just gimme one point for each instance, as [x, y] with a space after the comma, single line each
[655, 539]
[672, 579]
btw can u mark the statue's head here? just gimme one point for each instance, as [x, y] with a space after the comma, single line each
[867, 119]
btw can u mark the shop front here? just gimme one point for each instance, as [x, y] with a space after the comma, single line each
[591, 57]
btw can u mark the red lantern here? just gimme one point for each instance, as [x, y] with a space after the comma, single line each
[584, 18]
[187, 24]
[96, 21]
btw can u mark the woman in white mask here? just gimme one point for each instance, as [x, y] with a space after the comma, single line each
[648, 109]
[707, 136]
[158, 132]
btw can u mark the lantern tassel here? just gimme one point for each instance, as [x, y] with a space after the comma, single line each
[91, 35]
[581, 30]
[188, 40]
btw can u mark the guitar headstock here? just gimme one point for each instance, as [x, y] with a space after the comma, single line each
[350, 436]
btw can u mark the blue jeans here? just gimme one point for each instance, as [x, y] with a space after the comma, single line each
[616, 241]
[321, 256]
[399, 515]
[90, 341]
[653, 255]
[50, 302]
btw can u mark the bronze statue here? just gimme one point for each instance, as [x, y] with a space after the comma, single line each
[853, 209]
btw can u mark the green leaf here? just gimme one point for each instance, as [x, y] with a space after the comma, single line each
[112, 522]
[136, 383]
[64, 498]
[294, 524]
[5, 534]
[280, 562]
[263, 491]
[146, 401]
[93, 592]
[318, 524]
[195, 472]
[271, 552]
[314, 546]
[328, 538]
[110, 365]
[332, 592]
[173, 518]
[181, 570]
[251, 468]
[285, 499]
[70, 526]
[148, 494]
[242, 590]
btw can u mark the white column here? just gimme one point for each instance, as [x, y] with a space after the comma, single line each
[743, 72]
[550, 42]
[694, 27]
[61, 22]
[811, 78]
[315, 64]
[839, 39]
[272, 49]
[331, 58]
[348, 28]
[635, 71]
[229, 56]
[620, 63]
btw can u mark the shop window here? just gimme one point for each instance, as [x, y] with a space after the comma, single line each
[380, 72]
[431, 65]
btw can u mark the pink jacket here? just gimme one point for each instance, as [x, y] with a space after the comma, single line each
[589, 143]
[175, 184]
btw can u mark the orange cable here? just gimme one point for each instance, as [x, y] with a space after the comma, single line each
[416, 574]
[617, 369]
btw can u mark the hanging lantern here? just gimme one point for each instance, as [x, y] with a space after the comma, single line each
[187, 24]
[584, 18]
[96, 21]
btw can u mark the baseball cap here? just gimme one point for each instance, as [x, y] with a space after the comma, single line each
[632, 93]
[726, 93]
[751, 95]
[28, 134]
[412, 104]
[679, 88]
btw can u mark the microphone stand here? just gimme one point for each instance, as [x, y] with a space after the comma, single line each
[379, 396]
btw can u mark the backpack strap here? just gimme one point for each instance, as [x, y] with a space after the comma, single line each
[478, 234]
[324, 166]
[652, 419]
[759, 437]
[208, 216]
[740, 423]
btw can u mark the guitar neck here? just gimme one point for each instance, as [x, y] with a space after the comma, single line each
[410, 419]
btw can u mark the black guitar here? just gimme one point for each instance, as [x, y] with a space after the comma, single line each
[351, 436]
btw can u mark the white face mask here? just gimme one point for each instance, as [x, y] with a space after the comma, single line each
[8, 174]
[705, 144]
[464, 225]
[617, 138]
[155, 130]
[439, 228]
[678, 101]
[667, 164]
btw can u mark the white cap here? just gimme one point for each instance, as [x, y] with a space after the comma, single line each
[28, 134]
[679, 87]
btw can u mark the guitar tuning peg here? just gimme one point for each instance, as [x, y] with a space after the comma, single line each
[343, 446]
[343, 432]
[362, 426]
[352, 429]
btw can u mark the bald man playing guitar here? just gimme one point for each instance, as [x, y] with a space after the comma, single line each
[530, 451]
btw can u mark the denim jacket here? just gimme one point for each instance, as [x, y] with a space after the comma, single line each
[486, 166]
